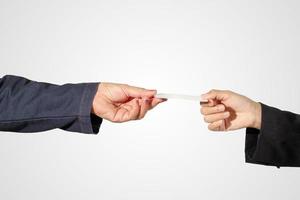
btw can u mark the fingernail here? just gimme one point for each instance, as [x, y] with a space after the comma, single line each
[227, 114]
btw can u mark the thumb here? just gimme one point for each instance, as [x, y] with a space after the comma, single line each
[137, 92]
[220, 95]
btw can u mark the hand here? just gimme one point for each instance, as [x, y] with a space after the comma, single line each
[122, 103]
[227, 111]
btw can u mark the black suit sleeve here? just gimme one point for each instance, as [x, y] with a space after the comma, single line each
[278, 141]
[29, 106]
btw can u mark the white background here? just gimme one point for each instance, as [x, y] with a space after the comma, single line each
[190, 47]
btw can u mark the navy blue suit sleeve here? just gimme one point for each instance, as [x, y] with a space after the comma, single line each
[30, 106]
[278, 141]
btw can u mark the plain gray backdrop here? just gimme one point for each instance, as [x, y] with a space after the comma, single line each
[189, 47]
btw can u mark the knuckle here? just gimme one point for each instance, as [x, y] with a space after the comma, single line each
[124, 86]
[211, 128]
[206, 119]
[221, 108]
[202, 110]
[142, 117]
[212, 91]
[228, 92]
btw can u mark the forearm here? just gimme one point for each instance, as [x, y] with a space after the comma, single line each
[29, 106]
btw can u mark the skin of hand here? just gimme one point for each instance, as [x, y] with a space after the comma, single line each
[228, 111]
[121, 103]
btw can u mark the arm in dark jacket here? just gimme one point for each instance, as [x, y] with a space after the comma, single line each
[29, 106]
[278, 141]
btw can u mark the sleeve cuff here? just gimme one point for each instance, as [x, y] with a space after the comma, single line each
[253, 152]
[89, 123]
[261, 146]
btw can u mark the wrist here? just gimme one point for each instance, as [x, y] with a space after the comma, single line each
[96, 101]
[257, 113]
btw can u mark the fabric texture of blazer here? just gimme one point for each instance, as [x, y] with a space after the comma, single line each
[278, 141]
[30, 106]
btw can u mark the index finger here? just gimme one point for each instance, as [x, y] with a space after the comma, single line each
[138, 92]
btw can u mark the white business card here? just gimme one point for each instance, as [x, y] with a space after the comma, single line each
[181, 96]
